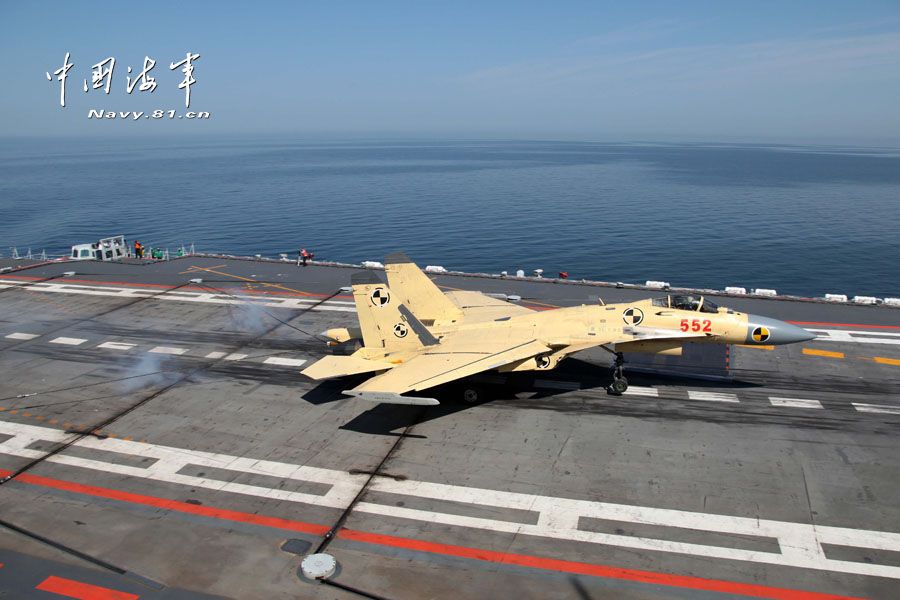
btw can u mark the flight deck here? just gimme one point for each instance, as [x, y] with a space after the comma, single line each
[158, 441]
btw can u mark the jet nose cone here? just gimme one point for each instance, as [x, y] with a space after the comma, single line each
[763, 330]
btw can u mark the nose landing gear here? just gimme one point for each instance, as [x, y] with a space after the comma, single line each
[619, 383]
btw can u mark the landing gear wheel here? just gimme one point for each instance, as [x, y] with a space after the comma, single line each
[618, 386]
[471, 394]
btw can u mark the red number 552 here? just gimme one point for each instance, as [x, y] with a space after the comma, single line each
[696, 325]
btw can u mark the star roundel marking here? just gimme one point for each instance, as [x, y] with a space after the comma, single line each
[380, 297]
[633, 316]
[400, 330]
[760, 334]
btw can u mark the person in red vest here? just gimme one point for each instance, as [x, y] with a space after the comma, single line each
[304, 256]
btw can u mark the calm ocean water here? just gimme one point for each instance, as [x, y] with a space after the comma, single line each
[801, 220]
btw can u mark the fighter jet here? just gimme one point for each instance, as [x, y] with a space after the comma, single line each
[416, 337]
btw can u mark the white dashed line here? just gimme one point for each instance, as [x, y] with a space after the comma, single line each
[167, 350]
[876, 408]
[712, 396]
[287, 362]
[308, 303]
[636, 390]
[236, 357]
[22, 336]
[215, 355]
[795, 402]
[68, 341]
[859, 337]
[117, 345]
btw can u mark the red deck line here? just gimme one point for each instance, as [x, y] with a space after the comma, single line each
[536, 562]
[184, 287]
[174, 505]
[682, 581]
[82, 591]
[845, 325]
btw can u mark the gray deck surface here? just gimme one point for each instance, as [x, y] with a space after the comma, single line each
[779, 471]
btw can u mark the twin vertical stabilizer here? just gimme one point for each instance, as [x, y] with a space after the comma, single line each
[383, 318]
[417, 291]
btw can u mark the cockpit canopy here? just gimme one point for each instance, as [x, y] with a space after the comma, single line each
[687, 302]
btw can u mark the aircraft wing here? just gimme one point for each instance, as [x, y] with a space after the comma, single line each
[434, 368]
[479, 307]
[336, 366]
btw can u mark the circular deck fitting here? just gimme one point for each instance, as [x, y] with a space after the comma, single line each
[318, 566]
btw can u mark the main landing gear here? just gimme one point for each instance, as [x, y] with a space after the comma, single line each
[619, 383]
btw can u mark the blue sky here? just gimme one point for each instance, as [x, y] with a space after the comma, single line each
[713, 71]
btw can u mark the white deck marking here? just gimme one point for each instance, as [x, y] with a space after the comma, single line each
[22, 336]
[67, 341]
[117, 345]
[712, 396]
[287, 362]
[858, 337]
[800, 544]
[215, 355]
[795, 402]
[876, 408]
[168, 350]
[182, 295]
[235, 356]
[636, 390]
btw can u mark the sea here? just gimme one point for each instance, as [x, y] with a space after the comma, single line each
[803, 220]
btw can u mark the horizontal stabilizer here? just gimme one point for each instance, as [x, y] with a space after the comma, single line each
[336, 366]
[390, 398]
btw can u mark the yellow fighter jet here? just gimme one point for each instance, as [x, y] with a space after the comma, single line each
[417, 337]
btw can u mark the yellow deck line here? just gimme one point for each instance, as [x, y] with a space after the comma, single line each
[887, 361]
[823, 353]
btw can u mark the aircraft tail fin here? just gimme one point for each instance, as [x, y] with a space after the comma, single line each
[417, 291]
[384, 320]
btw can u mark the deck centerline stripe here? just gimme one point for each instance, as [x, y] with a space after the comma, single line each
[682, 581]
